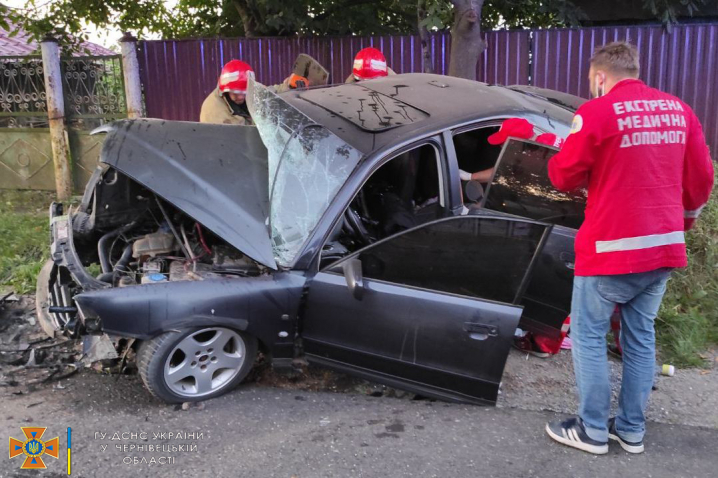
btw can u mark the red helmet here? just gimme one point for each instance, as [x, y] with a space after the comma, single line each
[369, 63]
[233, 78]
[512, 127]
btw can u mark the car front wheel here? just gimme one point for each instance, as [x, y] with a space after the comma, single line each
[195, 364]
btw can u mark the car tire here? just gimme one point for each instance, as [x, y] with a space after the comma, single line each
[165, 359]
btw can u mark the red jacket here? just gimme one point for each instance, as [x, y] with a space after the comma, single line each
[644, 159]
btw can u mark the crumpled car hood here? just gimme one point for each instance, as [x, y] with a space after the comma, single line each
[217, 174]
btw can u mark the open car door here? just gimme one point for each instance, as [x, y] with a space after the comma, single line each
[521, 187]
[432, 309]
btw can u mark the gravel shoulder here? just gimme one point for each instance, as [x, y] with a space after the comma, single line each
[690, 397]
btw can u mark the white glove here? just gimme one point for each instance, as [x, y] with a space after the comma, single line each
[464, 175]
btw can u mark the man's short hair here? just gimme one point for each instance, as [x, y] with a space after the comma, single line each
[618, 58]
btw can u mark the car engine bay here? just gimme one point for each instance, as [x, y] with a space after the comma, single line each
[135, 238]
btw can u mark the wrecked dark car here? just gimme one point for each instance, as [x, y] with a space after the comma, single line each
[337, 231]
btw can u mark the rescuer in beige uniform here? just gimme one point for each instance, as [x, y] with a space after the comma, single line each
[226, 104]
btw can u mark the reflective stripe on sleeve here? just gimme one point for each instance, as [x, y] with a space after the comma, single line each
[640, 242]
[693, 214]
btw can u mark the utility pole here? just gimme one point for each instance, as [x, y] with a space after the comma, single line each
[56, 116]
[131, 73]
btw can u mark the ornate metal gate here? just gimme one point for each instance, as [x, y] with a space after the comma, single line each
[94, 94]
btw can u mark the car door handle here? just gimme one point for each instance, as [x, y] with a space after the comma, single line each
[480, 331]
[568, 259]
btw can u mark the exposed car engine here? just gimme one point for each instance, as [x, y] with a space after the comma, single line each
[138, 238]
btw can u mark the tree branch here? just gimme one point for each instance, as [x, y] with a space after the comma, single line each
[249, 22]
[424, 35]
[466, 42]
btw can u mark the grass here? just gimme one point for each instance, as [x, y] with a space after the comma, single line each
[24, 238]
[687, 324]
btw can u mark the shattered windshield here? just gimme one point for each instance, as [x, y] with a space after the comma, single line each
[307, 166]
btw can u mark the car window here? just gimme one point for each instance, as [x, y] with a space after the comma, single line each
[521, 187]
[475, 256]
[402, 193]
[474, 153]
[473, 150]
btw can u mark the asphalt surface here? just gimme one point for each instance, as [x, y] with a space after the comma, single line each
[260, 431]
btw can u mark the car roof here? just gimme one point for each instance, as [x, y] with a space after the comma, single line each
[434, 103]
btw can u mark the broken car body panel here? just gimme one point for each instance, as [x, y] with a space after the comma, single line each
[196, 167]
[262, 306]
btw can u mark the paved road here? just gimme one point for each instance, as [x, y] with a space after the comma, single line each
[259, 431]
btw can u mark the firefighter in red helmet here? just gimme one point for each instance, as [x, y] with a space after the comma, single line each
[226, 104]
[369, 63]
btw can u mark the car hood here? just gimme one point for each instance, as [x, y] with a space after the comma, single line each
[217, 174]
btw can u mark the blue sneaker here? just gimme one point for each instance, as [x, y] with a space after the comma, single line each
[629, 446]
[571, 432]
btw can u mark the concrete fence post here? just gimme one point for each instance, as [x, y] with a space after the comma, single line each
[56, 116]
[131, 73]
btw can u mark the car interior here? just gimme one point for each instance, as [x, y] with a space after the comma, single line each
[403, 193]
[474, 153]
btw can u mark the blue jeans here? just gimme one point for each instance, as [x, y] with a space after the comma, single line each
[594, 299]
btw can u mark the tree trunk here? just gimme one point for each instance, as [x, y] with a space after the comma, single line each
[466, 42]
[249, 23]
[424, 35]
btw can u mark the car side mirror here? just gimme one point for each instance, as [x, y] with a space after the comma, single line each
[474, 191]
[353, 275]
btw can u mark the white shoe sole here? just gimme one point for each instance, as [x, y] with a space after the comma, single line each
[629, 448]
[596, 450]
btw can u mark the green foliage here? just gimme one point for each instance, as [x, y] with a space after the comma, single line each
[668, 10]
[438, 15]
[688, 321]
[24, 237]
[530, 14]
[67, 20]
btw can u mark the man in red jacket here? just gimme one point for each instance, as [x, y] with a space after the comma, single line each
[643, 157]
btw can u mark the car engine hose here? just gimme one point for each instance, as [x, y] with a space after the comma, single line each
[172, 228]
[102, 245]
[106, 277]
[121, 265]
[82, 223]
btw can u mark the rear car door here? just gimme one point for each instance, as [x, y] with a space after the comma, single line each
[521, 187]
[432, 309]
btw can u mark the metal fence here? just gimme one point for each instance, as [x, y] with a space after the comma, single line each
[178, 75]
[683, 63]
[22, 92]
[93, 92]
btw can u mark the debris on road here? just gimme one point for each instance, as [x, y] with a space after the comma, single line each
[28, 358]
